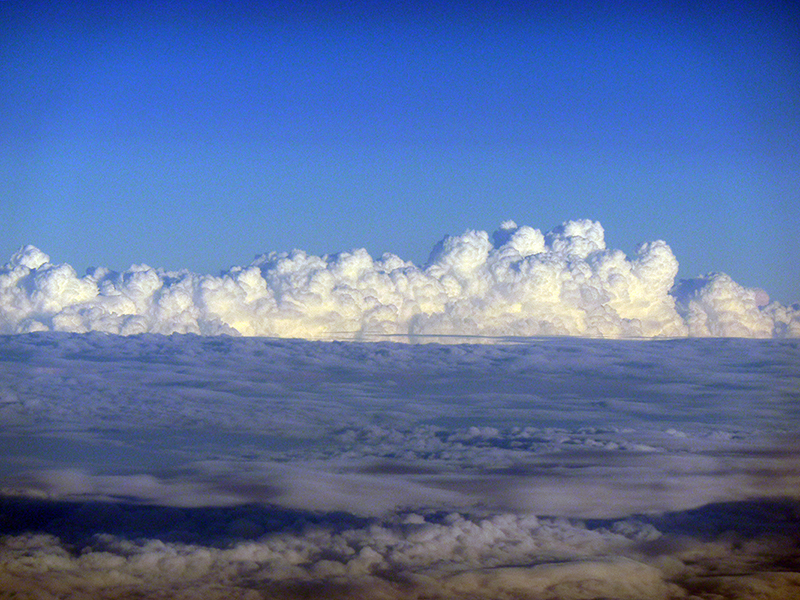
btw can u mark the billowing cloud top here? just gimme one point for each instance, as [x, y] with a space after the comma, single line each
[516, 282]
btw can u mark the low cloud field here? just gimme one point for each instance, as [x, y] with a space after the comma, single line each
[218, 467]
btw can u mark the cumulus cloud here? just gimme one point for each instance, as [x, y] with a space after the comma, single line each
[113, 551]
[517, 281]
[715, 305]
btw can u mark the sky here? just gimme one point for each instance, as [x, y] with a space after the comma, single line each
[198, 135]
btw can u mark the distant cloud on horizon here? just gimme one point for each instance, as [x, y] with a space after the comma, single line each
[517, 281]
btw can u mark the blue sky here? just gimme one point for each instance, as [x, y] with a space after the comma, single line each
[198, 135]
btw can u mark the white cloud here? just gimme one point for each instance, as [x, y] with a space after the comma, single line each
[517, 281]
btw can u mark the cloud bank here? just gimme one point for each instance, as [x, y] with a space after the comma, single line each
[560, 426]
[109, 551]
[187, 466]
[516, 282]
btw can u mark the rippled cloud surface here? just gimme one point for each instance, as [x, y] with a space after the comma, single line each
[186, 466]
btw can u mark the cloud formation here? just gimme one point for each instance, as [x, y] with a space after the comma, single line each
[114, 551]
[247, 467]
[563, 426]
[516, 282]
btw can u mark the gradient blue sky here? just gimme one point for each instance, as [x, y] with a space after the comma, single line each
[198, 135]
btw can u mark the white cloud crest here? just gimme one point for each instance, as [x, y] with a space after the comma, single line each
[517, 282]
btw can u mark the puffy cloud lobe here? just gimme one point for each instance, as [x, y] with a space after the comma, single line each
[413, 555]
[517, 281]
[715, 305]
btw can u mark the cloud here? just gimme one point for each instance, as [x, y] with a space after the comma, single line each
[715, 305]
[574, 427]
[518, 281]
[245, 467]
[112, 551]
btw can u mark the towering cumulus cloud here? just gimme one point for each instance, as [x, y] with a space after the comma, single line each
[518, 281]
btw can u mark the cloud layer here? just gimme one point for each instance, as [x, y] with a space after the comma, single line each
[561, 426]
[190, 466]
[116, 551]
[516, 282]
